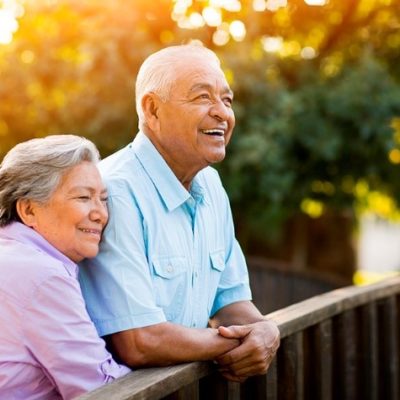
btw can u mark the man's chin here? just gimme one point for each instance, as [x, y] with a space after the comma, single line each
[215, 158]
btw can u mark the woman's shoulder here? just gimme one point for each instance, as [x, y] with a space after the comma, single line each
[24, 268]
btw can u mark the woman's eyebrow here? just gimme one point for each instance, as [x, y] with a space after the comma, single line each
[88, 188]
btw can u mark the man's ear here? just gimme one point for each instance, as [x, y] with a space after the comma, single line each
[26, 212]
[150, 103]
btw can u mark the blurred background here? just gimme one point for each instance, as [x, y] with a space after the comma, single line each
[313, 169]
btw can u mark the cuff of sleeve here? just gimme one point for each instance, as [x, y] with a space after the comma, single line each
[229, 296]
[112, 370]
[107, 327]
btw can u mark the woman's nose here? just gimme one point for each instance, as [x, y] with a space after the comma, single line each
[99, 212]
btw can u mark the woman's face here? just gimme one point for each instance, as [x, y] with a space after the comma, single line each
[73, 219]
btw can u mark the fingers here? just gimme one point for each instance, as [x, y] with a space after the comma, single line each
[256, 352]
[234, 331]
[234, 356]
[254, 363]
[239, 373]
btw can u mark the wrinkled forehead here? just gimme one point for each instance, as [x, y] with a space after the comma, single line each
[197, 71]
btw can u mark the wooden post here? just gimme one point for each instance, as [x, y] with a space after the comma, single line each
[344, 356]
[389, 351]
[368, 353]
[290, 368]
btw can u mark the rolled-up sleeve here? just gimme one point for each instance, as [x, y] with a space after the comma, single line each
[234, 283]
[63, 339]
[117, 284]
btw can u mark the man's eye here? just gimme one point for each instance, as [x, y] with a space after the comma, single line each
[204, 96]
[104, 199]
[83, 198]
[228, 101]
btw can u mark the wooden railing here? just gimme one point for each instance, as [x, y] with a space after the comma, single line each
[276, 284]
[344, 344]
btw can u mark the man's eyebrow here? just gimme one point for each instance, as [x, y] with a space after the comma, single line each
[199, 86]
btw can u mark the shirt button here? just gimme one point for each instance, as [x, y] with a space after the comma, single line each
[170, 268]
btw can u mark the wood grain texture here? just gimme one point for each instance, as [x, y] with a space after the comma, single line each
[343, 323]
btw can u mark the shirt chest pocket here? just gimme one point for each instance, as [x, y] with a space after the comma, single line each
[170, 280]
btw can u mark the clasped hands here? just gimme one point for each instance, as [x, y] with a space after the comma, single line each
[258, 343]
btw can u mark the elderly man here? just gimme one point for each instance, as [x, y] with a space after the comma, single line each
[170, 283]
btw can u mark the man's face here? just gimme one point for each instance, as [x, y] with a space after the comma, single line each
[197, 120]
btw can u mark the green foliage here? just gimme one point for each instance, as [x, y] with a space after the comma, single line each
[315, 140]
[307, 128]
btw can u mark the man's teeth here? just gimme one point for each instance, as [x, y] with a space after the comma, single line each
[214, 132]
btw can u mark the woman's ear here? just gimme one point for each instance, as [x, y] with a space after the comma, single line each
[26, 212]
[150, 103]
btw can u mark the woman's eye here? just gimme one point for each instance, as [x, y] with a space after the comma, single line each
[204, 96]
[83, 197]
[104, 199]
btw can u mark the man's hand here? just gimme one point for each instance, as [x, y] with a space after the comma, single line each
[259, 342]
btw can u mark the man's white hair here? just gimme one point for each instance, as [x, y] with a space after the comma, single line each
[158, 72]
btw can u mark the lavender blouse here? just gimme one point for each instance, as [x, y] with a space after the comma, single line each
[49, 348]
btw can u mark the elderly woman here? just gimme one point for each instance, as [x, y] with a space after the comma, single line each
[52, 212]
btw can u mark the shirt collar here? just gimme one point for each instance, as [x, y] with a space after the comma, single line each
[24, 234]
[171, 191]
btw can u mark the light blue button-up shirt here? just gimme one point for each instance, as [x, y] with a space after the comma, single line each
[167, 254]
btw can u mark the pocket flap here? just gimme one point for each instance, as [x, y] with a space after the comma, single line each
[218, 260]
[170, 267]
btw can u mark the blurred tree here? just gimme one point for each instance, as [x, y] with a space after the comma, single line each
[316, 99]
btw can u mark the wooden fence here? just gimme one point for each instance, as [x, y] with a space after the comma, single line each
[344, 344]
[275, 284]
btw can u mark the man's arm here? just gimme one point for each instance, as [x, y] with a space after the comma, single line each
[167, 343]
[259, 340]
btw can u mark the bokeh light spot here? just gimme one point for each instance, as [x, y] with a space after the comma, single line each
[272, 44]
[220, 37]
[166, 37]
[308, 53]
[27, 57]
[394, 156]
[237, 30]
[212, 16]
[312, 208]
[316, 2]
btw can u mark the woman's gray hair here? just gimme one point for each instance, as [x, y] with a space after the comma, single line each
[33, 169]
[158, 72]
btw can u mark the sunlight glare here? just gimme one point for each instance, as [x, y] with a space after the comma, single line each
[272, 44]
[237, 30]
[228, 5]
[212, 16]
[316, 2]
[308, 53]
[274, 5]
[196, 20]
[220, 37]
[233, 6]
[259, 5]
[8, 25]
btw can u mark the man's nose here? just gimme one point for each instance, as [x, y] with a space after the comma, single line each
[220, 111]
